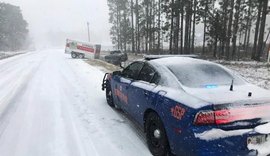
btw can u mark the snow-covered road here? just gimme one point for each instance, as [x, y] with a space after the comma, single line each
[51, 105]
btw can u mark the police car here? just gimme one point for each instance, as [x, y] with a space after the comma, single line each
[189, 106]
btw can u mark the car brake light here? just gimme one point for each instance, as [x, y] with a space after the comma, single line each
[67, 44]
[225, 116]
[213, 117]
[205, 118]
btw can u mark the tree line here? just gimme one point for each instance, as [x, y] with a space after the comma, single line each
[229, 29]
[13, 28]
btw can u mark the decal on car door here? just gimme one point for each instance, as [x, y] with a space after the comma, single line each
[121, 95]
[178, 112]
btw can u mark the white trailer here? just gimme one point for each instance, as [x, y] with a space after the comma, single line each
[81, 50]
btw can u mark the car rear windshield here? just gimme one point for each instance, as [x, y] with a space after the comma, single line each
[203, 75]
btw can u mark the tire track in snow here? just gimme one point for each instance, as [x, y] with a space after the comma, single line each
[14, 91]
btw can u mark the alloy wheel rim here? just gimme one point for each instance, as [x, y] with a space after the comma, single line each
[155, 135]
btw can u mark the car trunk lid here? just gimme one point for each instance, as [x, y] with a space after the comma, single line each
[222, 94]
[234, 109]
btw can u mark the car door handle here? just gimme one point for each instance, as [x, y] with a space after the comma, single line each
[162, 92]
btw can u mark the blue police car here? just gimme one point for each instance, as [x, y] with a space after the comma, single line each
[189, 106]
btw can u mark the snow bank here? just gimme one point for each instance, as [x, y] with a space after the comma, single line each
[263, 129]
[262, 149]
[215, 134]
[4, 55]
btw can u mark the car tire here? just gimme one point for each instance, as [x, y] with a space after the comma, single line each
[109, 96]
[156, 136]
[74, 55]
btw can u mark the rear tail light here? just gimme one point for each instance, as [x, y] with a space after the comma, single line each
[67, 44]
[205, 118]
[225, 116]
[212, 117]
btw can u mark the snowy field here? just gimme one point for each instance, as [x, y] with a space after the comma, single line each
[254, 72]
[52, 105]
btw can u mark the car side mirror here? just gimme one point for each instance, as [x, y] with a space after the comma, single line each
[122, 65]
[118, 73]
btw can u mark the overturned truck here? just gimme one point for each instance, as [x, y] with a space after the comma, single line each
[81, 50]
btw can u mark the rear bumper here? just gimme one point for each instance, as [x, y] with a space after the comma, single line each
[228, 146]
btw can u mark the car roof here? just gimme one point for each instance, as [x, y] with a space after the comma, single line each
[168, 61]
[152, 57]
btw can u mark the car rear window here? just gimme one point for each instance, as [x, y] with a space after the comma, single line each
[203, 75]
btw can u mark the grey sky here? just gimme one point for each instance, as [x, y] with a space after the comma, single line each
[52, 21]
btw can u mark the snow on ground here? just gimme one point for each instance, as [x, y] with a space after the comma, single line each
[102, 65]
[53, 105]
[255, 73]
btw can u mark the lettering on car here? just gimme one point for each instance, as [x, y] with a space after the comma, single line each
[121, 95]
[178, 112]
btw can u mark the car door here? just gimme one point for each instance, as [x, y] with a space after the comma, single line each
[121, 88]
[140, 94]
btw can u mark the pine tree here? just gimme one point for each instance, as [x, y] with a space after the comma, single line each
[13, 28]
[262, 29]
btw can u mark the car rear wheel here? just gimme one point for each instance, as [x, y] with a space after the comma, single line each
[109, 96]
[156, 135]
[74, 55]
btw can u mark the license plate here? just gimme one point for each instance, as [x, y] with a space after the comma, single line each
[257, 140]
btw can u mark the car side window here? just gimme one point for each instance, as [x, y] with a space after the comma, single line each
[147, 73]
[156, 79]
[133, 70]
